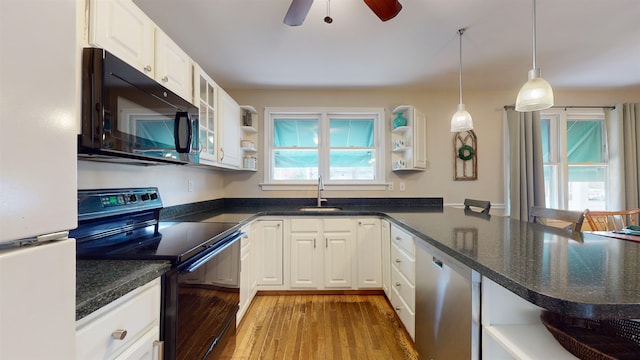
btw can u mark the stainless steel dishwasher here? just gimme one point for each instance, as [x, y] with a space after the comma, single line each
[447, 306]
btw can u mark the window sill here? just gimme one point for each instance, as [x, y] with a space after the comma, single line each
[314, 187]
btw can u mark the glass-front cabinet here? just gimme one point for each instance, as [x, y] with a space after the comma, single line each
[206, 95]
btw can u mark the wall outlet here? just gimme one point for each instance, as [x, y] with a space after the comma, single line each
[402, 186]
[390, 186]
[190, 185]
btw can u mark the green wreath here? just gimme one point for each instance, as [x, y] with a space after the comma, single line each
[466, 152]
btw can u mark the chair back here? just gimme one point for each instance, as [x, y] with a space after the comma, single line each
[567, 219]
[481, 204]
[612, 220]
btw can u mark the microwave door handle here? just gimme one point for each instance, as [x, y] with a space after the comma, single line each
[181, 120]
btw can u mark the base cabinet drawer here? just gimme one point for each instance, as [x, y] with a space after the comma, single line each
[125, 326]
[406, 315]
[404, 263]
[405, 289]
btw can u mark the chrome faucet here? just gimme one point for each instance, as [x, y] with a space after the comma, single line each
[320, 188]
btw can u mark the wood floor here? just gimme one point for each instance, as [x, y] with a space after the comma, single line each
[321, 327]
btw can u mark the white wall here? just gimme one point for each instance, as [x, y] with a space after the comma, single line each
[485, 107]
[172, 180]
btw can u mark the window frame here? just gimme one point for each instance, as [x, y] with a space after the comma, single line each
[324, 115]
[558, 157]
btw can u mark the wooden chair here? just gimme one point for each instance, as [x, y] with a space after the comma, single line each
[566, 219]
[612, 220]
[482, 204]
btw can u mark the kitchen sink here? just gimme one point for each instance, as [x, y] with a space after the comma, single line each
[320, 208]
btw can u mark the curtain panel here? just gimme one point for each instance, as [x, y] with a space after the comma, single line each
[525, 173]
[623, 140]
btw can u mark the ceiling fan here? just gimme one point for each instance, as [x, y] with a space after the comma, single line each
[384, 9]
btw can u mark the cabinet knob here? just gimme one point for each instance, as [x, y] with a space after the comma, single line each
[398, 284]
[398, 261]
[398, 238]
[398, 308]
[119, 334]
[147, 68]
[165, 79]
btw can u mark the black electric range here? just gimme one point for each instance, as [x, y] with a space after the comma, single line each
[200, 294]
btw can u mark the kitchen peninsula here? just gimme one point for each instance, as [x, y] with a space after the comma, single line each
[592, 277]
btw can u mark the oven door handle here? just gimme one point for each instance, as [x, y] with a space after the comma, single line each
[202, 260]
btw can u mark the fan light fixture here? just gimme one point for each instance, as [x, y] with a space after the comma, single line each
[536, 94]
[461, 120]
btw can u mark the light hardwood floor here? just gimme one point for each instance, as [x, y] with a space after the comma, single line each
[321, 327]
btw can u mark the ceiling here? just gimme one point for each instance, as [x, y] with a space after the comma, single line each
[243, 44]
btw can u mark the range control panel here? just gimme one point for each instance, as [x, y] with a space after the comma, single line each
[107, 202]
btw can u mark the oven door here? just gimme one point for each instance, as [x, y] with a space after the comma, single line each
[208, 296]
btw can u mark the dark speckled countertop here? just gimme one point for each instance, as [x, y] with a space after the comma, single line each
[99, 282]
[592, 277]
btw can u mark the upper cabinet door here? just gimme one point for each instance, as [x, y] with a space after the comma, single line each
[121, 28]
[173, 66]
[229, 118]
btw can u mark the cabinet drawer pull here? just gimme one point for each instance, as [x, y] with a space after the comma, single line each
[314, 243]
[119, 334]
[398, 261]
[326, 242]
[147, 68]
[398, 238]
[165, 79]
[160, 346]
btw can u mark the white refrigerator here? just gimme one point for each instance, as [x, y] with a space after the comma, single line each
[39, 109]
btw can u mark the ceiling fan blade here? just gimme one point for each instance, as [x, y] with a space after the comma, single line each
[298, 10]
[384, 9]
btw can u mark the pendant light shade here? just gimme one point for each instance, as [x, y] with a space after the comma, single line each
[461, 120]
[536, 94]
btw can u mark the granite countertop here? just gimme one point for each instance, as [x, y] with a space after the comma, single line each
[591, 277]
[99, 282]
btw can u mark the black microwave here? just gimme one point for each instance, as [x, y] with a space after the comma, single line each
[129, 117]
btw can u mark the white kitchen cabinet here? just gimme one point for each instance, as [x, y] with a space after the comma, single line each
[206, 97]
[229, 117]
[249, 141]
[307, 250]
[369, 250]
[121, 28]
[409, 142]
[174, 67]
[322, 253]
[385, 238]
[269, 241]
[127, 328]
[511, 327]
[248, 284]
[124, 30]
[403, 277]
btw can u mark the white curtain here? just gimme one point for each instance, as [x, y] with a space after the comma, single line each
[623, 140]
[525, 173]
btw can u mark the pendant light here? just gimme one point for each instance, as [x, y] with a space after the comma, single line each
[461, 120]
[536, 94]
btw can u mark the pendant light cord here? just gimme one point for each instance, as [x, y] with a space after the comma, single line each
[534, 34]
[460, 32]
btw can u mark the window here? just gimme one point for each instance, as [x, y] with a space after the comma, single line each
[575, 160]
[341, 145]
